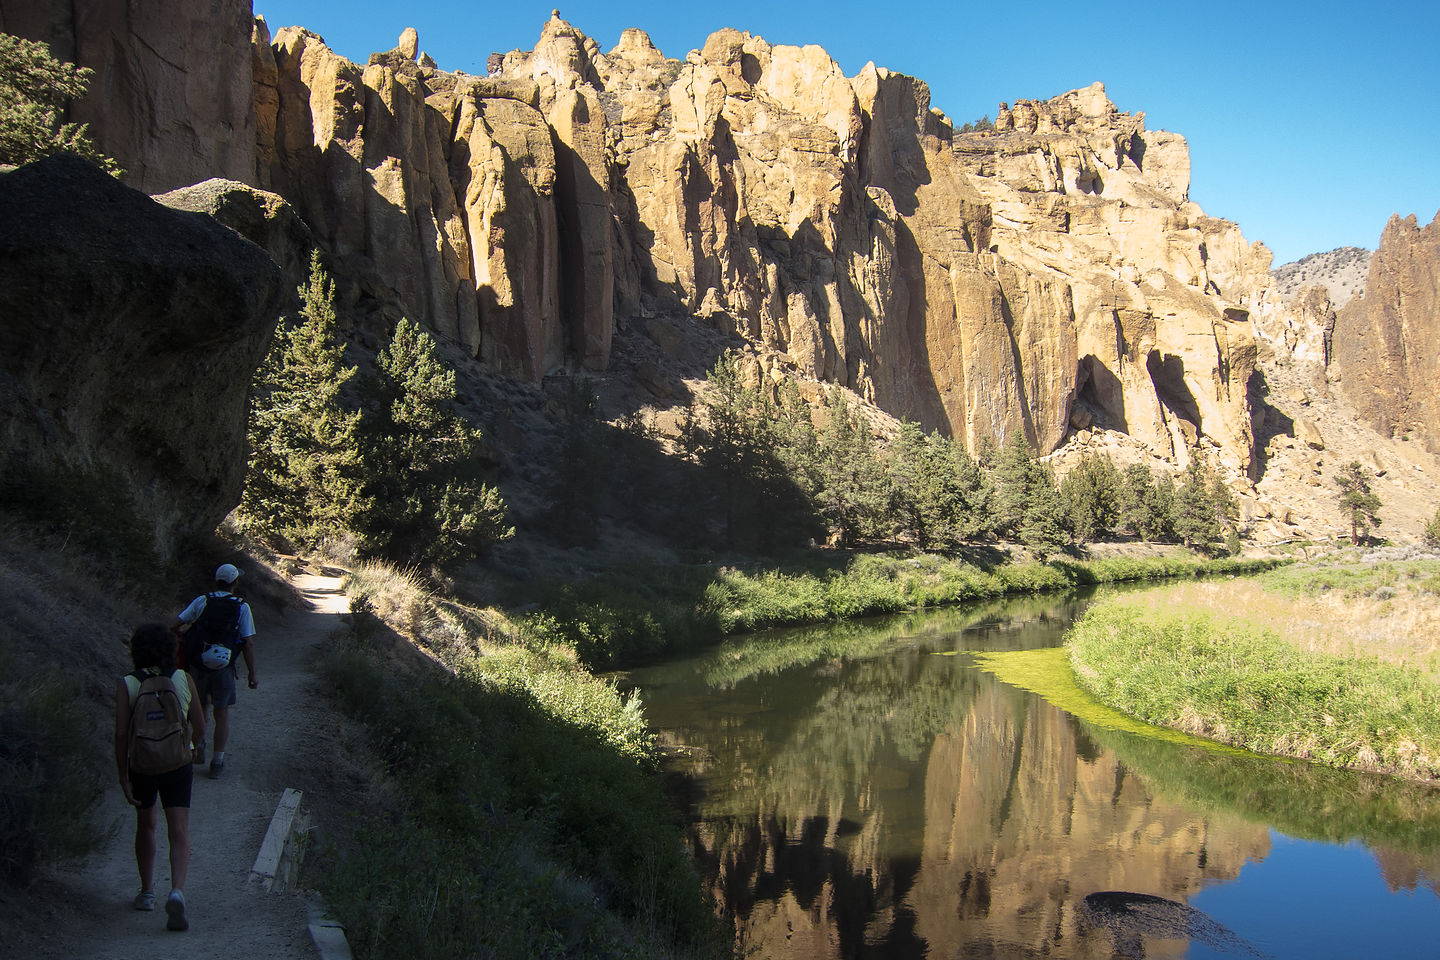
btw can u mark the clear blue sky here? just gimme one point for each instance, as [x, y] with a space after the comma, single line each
[1309, 121]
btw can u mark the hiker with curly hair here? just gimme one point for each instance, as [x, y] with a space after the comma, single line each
[158, 724]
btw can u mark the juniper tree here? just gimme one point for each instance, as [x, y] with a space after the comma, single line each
[1090, 494]
[1196, 522]
[1359, 505]
[304, 474]
[34, 90]
[852, 495]
[1010, 470]
[1432, 532]
[959, 504]
[427, 501]
[912, 484]
[1147, 504]
[1029, 509]
[730, 441]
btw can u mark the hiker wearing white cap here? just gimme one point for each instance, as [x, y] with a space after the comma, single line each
[217, 626]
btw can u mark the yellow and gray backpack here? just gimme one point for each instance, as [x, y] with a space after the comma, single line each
[159, 730]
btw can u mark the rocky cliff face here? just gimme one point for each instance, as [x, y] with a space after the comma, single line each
[171, 96]
[1387, 342]
[980, 284]
[129, 333]
[1045, 277]
[1162, 294]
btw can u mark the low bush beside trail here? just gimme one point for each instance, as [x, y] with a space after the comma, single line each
[533, 823]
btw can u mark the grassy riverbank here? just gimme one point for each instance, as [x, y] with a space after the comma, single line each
[1336, 663]
[1302, 799]
[628, 617]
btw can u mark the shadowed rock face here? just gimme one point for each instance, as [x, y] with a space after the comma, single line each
[129, 333]
[1387, 342]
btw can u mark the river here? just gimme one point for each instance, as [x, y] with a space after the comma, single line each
[864, 790]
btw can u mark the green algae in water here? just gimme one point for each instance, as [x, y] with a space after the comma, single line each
[1047, 673]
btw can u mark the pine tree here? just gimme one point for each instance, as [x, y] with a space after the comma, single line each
[1227, 511]
[34, 90]
[853, 494]
[1359, 505]
[797, 442]
[1196, 522]
[1029, 508]
[959, 497]
[428, 504]
[1162, 508]
[1147, 504]
[913, 483]
[304, 477]
[1090, 493]
[1042, 528]
[1011, 472]
[730, 444]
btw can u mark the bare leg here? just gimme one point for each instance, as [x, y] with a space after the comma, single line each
[177, 823]
[145, 847]
[222, 727]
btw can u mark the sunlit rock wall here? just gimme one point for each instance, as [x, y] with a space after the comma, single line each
[1387, 342]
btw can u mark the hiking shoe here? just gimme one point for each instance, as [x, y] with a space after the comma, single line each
[217, 767]
[145, 900]
[175, 910]
[199, 759]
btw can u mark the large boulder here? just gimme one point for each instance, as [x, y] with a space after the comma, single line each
[129, 335]
[261, 217]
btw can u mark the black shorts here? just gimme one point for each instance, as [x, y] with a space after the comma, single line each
[172, 788]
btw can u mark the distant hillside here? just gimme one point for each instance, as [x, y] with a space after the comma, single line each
[1340, 271]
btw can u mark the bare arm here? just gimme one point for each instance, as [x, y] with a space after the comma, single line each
[196, 715]
[122, 738]
[248, 650]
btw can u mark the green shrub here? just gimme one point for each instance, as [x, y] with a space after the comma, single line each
[1432, 532]
[533, 822]
[35, 90]
[50, 775]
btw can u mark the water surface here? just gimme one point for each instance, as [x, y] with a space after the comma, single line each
[861, 790]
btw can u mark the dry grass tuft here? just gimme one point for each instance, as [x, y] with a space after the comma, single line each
[1399, 624]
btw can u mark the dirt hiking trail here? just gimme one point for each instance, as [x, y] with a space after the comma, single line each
[274, 734]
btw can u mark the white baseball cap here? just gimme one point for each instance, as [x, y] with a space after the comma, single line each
[227, 573]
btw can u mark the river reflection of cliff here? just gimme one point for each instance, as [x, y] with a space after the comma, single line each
[908, 806]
